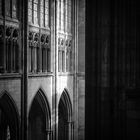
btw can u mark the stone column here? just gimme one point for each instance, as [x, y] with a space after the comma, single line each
[46, 60]
[49, 134]
[40, 59]
[35, 57]
[70, 130]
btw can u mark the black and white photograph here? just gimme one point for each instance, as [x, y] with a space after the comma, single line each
[69, 70]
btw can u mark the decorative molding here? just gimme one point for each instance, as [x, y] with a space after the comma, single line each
[12, 22]
[10, 76]
[40, 74]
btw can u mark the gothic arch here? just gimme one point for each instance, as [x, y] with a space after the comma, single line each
[39, 117]
[67, 102]
[9, 118]
[64, 117]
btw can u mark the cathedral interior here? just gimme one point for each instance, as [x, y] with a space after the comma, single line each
[69, 70]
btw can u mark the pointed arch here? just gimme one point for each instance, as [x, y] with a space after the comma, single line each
[9, 117]
[39, 117]
[43, 102]
[64, 117]
[65, 98]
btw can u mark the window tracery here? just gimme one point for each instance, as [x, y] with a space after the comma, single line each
[39, 41]
[10, 8]
[38, 12]
[64, 36]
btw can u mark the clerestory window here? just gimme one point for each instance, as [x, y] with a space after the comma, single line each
[39, 36]
[65, 52]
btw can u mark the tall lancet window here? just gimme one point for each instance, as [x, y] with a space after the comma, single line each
[59, 15]
[62, 14]
[14, 8]
[44, 13]
[35, 12]
[39, 32]
[65, 54]
[0, 7]
[69, 17]
[38, 12]
[10, 8]
[66, 15]
[30, 11]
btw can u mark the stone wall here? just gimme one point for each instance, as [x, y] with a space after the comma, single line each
[81, 70]
[13, 88]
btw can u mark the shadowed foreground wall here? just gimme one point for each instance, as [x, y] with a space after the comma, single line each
[112, 70]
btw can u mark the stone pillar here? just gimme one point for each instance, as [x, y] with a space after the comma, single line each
[40, 59]
[70, 130]
[46, 60]
[49, 134]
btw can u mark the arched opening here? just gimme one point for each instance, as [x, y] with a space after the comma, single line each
[65, 117]
[39, 118]
[9, 125]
